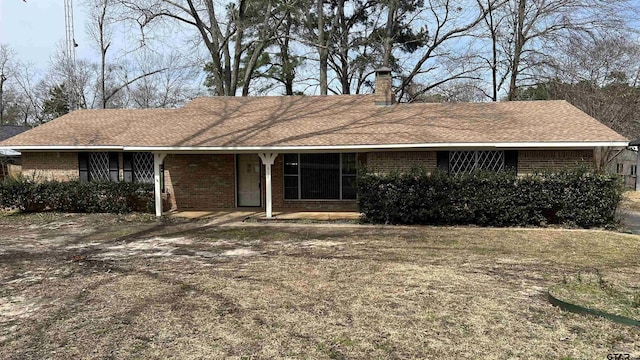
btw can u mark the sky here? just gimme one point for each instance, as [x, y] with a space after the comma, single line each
[35, 28]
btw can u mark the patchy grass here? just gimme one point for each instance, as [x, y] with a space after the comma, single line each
[589, 289]
[630, 200]
[106, 286]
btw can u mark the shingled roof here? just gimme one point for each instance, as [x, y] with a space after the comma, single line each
[7, 131]
[219, 123]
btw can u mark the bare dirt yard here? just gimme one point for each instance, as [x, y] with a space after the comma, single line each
[114, 287]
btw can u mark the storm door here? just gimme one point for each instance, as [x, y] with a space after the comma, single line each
[248, 170]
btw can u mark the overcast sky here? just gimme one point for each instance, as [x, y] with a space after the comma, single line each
[34, 29]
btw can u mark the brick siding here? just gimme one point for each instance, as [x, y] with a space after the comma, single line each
[43, 166]
[200, 182]
[387, 161]
[530, 161]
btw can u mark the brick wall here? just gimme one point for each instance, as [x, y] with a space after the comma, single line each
[41, 166]
[402, 161]
[200, 182]
[204, 182]
[533, 160]
[528, 160]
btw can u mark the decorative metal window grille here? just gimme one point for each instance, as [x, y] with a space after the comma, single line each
[143, 167]
[320, 176]
[464, 162]
[99, 166]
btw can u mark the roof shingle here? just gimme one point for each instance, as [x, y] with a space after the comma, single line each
[317, 121]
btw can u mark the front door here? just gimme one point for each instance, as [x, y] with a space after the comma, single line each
[248, 168]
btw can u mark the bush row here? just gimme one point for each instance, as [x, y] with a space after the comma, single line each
[572, 197]
[75, 196]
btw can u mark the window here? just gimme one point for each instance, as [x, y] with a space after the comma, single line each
[349, 170]
[143, 167]
[105, 166]
[620, 168]
[138, 167]
[98, 166]
[634, 170]
[463, 162]
[291, 171]
[320, 176]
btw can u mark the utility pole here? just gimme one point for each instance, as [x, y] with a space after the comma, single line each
[2, 80]
[70, 55]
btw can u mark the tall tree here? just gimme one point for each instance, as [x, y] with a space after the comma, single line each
[167, 89]
[535, 31]
[235, 36]
[103, 15]
[6, 62]
[57, 104]
[350, 41]
[439, 35]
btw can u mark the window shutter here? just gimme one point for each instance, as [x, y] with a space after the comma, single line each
[113, 167]
[127, 167]
[511, 161]
[443, 161]
[83, 167]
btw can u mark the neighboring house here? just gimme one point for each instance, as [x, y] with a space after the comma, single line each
[625, 164]
[9, 157]
[302, 152]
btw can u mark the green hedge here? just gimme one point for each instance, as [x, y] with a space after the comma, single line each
[572, 197]
[75, 196]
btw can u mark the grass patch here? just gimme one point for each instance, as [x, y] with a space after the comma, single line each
[100, 286]
[630, 200]
[589, 289]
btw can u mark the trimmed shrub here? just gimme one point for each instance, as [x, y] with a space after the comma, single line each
[75, 196]
[571, 197]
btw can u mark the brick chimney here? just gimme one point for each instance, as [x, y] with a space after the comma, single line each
[383, 94]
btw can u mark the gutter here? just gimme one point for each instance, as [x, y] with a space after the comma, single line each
[362, 148]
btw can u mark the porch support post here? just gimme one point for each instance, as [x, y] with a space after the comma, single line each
[268, 159]
[157, 161]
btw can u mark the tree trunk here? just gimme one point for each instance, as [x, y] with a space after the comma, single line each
[389, 35]
[287, 67]
[518, 47]
[494, 58]
[323, 52]
[237, 56]
[344, 49]
[104, 47]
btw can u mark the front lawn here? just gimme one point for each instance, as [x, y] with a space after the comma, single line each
[107, 286]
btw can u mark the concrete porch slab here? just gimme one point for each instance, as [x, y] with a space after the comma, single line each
[226, 215]
[313, 215]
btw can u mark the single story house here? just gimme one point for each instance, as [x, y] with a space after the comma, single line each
[302, 152]
[9, 158]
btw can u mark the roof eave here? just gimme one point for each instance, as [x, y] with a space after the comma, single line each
[364, 147]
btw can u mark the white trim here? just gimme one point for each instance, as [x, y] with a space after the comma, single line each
[637, 187]
[65, 147]
[298, 148]
[157, 189]
[235, 180]
[268, 159]
[559, 144]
